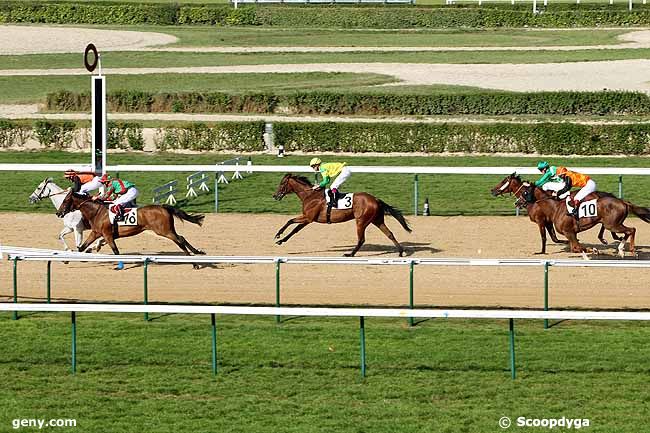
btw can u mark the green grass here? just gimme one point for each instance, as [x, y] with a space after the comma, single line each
[447, 194]
[24, 89]
[303, 376]
[269, 36]
[170, 59]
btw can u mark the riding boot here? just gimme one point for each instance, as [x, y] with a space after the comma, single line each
[576, 208]
[329, 212]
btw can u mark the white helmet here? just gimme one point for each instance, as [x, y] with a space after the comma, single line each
[314, 161]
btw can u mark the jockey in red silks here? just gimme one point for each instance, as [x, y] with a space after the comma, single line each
[123, 189]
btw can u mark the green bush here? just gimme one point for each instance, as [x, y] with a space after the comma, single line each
[58, 135]
[13, 134]
[319, 102]
[336, 16]
[198, 136]
[124, 135]
[543, 138]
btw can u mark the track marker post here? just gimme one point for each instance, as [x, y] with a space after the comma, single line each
[411, 263]
[545, 292]
[49, 280]
[214, 344]
[513, 370]
[362, 343]
[146, 285]
[278, 318]
[15, 315]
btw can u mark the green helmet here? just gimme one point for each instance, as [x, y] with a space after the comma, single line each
[542, 165]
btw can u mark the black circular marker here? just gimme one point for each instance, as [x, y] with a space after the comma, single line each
[91, 49]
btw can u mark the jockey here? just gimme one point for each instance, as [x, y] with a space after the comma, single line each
[328, 171]
[83, 182]
[550, 181]
[123, 189]
[579, 180]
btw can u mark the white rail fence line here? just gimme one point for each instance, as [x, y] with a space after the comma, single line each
[415, 171]
[17, 254]
[362, 313]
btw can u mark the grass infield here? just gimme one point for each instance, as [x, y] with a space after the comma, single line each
[303, 375]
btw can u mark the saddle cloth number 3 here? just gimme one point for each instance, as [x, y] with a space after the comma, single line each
[588, 209]
[345, 202]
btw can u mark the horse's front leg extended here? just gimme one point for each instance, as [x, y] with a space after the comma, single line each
[293, 232]
[91, 238]
[284, 227]
[64, 232]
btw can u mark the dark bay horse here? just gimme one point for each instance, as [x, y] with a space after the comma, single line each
[611, 213]
[159, 219]
[513, 185]
[366, 209]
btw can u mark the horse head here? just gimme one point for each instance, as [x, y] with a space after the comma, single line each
[527, 195]
[70, 203]
[506, 185]
[43, 190]
[291, 183]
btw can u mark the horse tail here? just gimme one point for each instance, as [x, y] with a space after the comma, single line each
[640, 211]
[395, 213]
[181, 214]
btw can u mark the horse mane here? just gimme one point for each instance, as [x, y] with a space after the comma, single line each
[301, 179]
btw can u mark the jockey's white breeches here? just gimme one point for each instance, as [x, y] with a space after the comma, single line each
[553, 186]
[342, 177]
[586, 190]
[90, 186]
[129, 195]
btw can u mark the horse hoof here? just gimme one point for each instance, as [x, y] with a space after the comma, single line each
[348, 255]
[595, 252]
[401, 253]
[278, 242]
[604, 242]
[195, 266]
[200, 252]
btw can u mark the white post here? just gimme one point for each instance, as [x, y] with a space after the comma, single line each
[534, 6]
[630, 8]
[545, 3]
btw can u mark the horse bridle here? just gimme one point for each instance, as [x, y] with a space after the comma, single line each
[41, 197]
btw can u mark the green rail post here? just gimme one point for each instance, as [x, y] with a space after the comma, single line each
[15, 315]
[362, 338]
[214, 344]
[411, 321]
[545, 292]
[49, 281]
[277, 288]
[415, 195]
[620, 186]
[74, 342]
[513, 372]
[146, 287]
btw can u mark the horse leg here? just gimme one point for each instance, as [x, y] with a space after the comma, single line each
[108, 237]
[64, 232]
[361, 237]
[551, 232]
[601, 236]
[284, 227]
[630, 233]
[91, 238]
[191, 248]
[542, 233]
[295, 230]
[385, 230]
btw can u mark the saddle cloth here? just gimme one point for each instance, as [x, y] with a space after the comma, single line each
[587, 209]
[344, 201]
[130, 216]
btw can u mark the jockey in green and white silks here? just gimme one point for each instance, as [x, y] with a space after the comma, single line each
[550, 181]
[124, 191]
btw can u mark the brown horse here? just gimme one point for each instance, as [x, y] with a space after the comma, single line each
[513, 185]
[366, 209]
[159, 219]
[610, 211]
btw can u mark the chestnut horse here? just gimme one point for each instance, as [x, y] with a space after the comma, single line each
[611, 212]
[159, 219]
[366, 209]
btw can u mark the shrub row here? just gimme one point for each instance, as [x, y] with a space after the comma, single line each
[544, 138]
[390, 17]
[488, 103]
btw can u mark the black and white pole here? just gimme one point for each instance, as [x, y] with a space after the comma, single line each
[425, 211]
[99, 124]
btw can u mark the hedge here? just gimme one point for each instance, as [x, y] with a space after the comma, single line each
[542, 138]
[337, 16]
[320, 102]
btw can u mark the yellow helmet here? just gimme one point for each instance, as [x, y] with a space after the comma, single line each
[314, 161]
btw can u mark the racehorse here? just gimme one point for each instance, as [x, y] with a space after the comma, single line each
[610, 211]
[73, 222]
[366, 209]
[159, 219]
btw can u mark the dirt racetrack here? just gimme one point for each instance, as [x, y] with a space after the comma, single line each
[243, 234]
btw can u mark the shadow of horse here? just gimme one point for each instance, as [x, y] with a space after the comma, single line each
[410, 248]
[610, 251]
